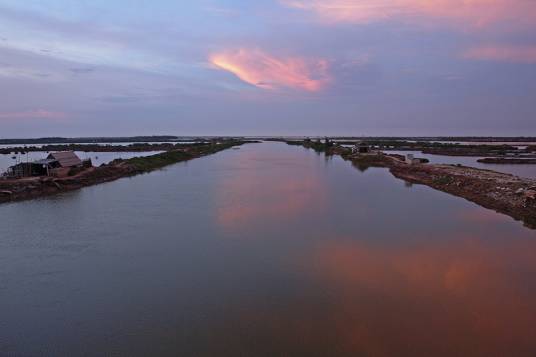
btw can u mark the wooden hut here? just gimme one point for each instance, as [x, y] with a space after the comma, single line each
[65, 159]
[55, 164]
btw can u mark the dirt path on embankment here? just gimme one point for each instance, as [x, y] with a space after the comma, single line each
[29, 188]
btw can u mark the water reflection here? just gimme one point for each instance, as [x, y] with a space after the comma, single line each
[351, 298]
[253, 197]
[269, 250]
[434, 297]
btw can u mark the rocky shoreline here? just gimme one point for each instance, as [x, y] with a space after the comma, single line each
[35, 187]
[504, 193]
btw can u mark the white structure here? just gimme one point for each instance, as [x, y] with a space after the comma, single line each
[411, 160]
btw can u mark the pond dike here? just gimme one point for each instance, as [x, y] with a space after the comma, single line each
[34, 187]
[504, 193]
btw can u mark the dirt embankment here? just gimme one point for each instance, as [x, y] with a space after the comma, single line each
[34, 187]
[503, 193]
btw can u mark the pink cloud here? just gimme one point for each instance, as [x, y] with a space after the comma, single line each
[269, 72]
[33, 114]
[513, 54]
[473, 12]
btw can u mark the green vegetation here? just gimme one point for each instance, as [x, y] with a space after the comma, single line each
[157, 161]
[59, 140]
[316, 145]
[153, 162]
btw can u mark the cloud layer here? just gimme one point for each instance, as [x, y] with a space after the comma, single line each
[270, 72]
[505, 53]
[474, 12]
[387, 69]
[33, 114]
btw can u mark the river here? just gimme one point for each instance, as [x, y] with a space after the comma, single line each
[269, 250]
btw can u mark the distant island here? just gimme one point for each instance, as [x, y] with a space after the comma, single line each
[99, 139]
[173, 138]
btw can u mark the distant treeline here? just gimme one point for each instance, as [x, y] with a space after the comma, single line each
[116, 139]
[136, 147]
[170, 138]
[59, 140]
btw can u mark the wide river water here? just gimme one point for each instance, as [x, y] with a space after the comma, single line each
[270, 250]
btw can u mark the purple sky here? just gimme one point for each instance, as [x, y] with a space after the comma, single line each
[267, 67]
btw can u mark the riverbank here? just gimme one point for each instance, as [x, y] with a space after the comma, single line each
[34, 187]
[503, 193]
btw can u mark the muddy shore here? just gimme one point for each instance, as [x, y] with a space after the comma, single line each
[34, 187]
[503, 193]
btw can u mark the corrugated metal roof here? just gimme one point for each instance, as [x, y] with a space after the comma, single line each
[66, 158]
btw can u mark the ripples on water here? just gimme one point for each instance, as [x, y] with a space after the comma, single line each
[269, 250]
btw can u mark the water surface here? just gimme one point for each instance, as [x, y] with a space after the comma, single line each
[270, 250]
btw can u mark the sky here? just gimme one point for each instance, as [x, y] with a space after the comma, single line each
[267, 67]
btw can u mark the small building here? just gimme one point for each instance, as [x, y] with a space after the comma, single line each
[412, 160]
[54, 164]
[361, 148]
[65, 159]
[26, 169]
